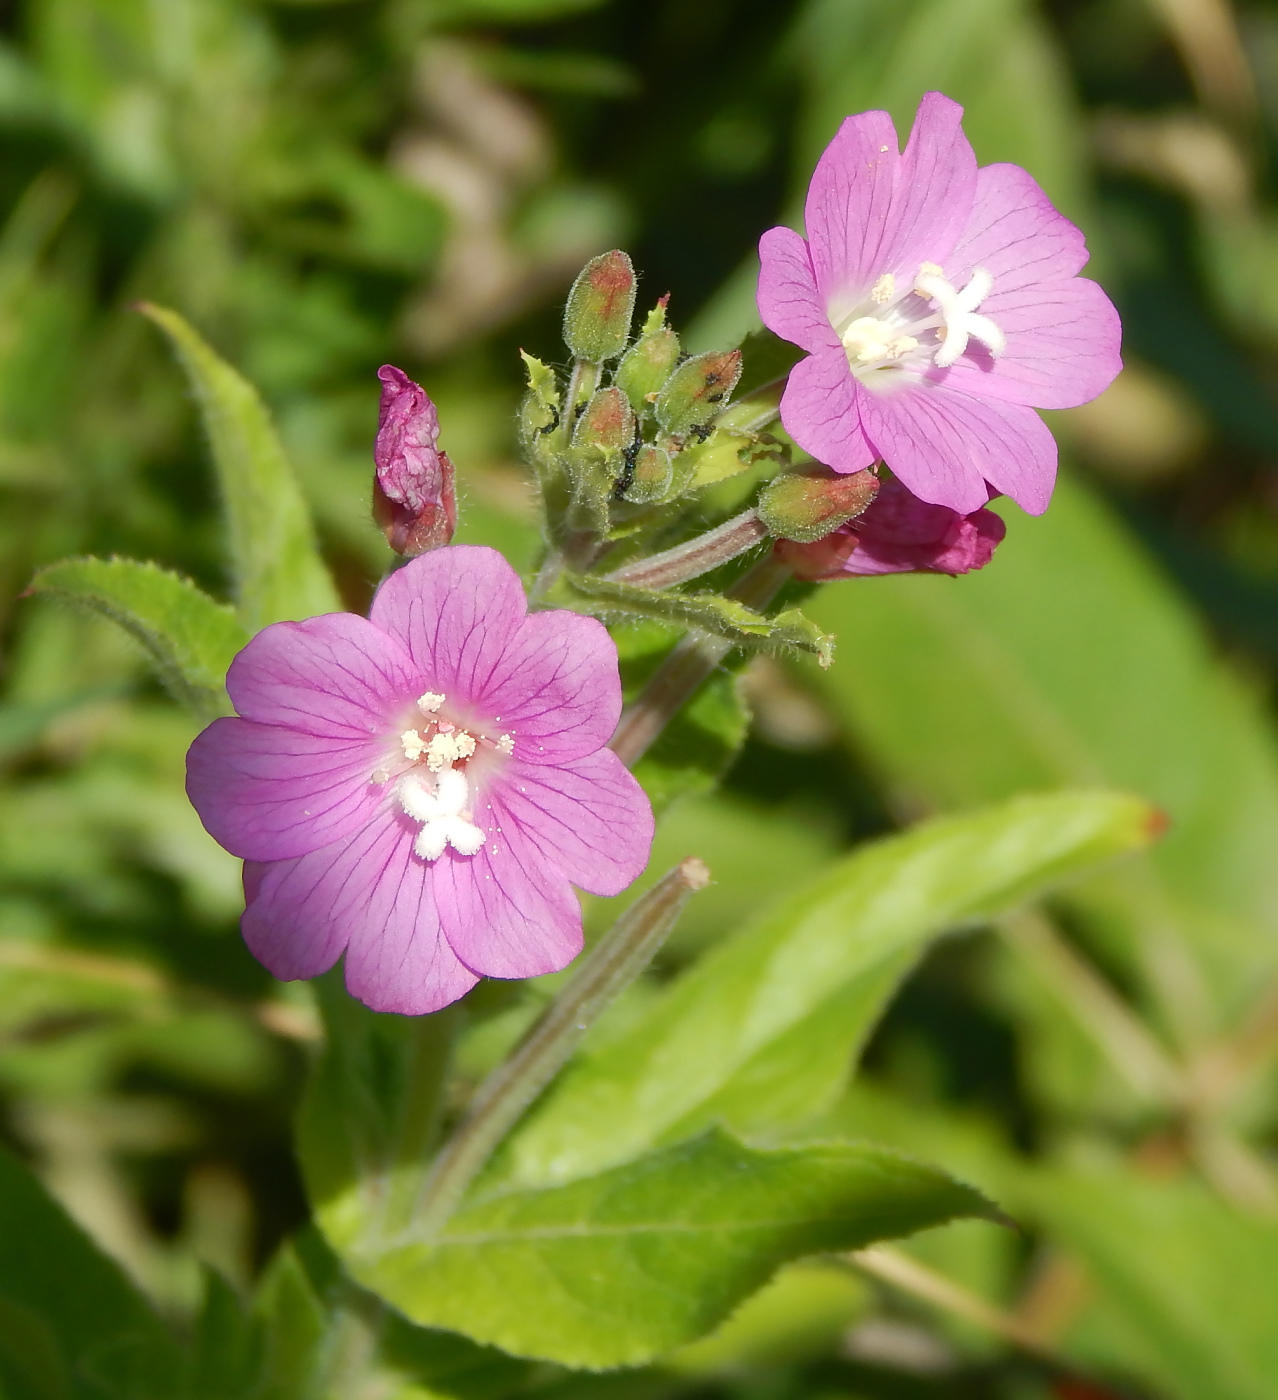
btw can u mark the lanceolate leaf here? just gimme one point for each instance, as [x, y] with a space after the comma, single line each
[705, 612]
[760, 1031]
[190, 637]
[277, 567]
[620, 1267]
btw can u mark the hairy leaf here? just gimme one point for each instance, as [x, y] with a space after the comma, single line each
[189, 637]
[276, 564]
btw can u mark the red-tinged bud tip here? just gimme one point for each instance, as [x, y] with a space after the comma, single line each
[413, 497]
[599, 307]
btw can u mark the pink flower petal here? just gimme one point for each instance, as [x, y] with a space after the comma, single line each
[820, 410]
[787, 297]
[945, 446]
[1062, 346]
[589, 818]
[507, 912]
[455, 610]
[871, 210]
[369, 895]
[1015, 234]
[331, 676]
[269, 793]
[556, 689]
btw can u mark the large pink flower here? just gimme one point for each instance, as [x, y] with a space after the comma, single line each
[939, 305]
[422, 788]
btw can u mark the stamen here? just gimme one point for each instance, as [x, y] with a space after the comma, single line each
[430, 702]
[883, 290]
[380, 775]
[506, 745]
[448, 747]
[413, 744]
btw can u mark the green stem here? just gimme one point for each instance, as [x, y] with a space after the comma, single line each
[688, 666]
[501, 1100]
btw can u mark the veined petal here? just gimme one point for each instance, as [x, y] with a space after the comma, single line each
[269, 793]
[455, 611]
[1062, 347]
[1015, 233]
[945, 446]
[556, 688]
[821, 411]
[936, 185]
[787, 297]
[335, 675]
[590, 818]
[371, 896]
[507, 912]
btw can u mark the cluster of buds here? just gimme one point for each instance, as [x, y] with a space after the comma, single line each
[644, 445]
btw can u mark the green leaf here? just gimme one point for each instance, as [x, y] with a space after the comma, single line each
[294, 1327]
[370, 1112]
[704, 612]
[71, 1324]
[276, 564]
[615, 1269]
[190, 638]
[760, 1032]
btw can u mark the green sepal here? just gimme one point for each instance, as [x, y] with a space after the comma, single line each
[189, 637]
[703, 612]
[539, 411]
[646, 366]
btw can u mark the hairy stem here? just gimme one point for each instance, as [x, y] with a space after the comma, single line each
[501, 1100]
[687, 667]
[696, 556]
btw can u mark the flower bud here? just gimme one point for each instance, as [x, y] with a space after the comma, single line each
[697, 390]
[807, 505]
[646, 366]
[650, 478]
[605, 432]
[898, 534]
[606, 422]
[599, 308]
[413, 498]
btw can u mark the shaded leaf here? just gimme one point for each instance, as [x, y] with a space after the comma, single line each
[190, 638]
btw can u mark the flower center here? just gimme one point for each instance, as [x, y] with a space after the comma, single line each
[930, 324]
[434, 782]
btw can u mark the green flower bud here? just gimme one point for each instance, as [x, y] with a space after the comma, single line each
[809, 504]
[650, 477]
[606, 422]
[605, 433]
[697, 390]
[599, 308]
[646, 366]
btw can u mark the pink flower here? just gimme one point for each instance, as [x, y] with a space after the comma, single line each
[422, 788]
[939, 307]
[413, 498]
[898, 534]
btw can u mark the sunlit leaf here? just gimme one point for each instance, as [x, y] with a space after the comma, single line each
[276, 565]
[761, 1030]
[617, 1268]
[189, 637]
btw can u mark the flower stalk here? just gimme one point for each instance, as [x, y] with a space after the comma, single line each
[696, 556]
[502, 1099]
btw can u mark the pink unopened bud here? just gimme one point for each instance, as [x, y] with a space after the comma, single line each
[898, 534]
[413, 498]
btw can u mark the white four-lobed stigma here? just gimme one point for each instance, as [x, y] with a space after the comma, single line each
[442, 811]
[959, 314]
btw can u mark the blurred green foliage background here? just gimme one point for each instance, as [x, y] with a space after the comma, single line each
[323, 185]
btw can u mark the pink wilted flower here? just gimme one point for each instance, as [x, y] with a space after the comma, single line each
[413, 498]
[939, 306]
[422, 788]
[898, 534]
